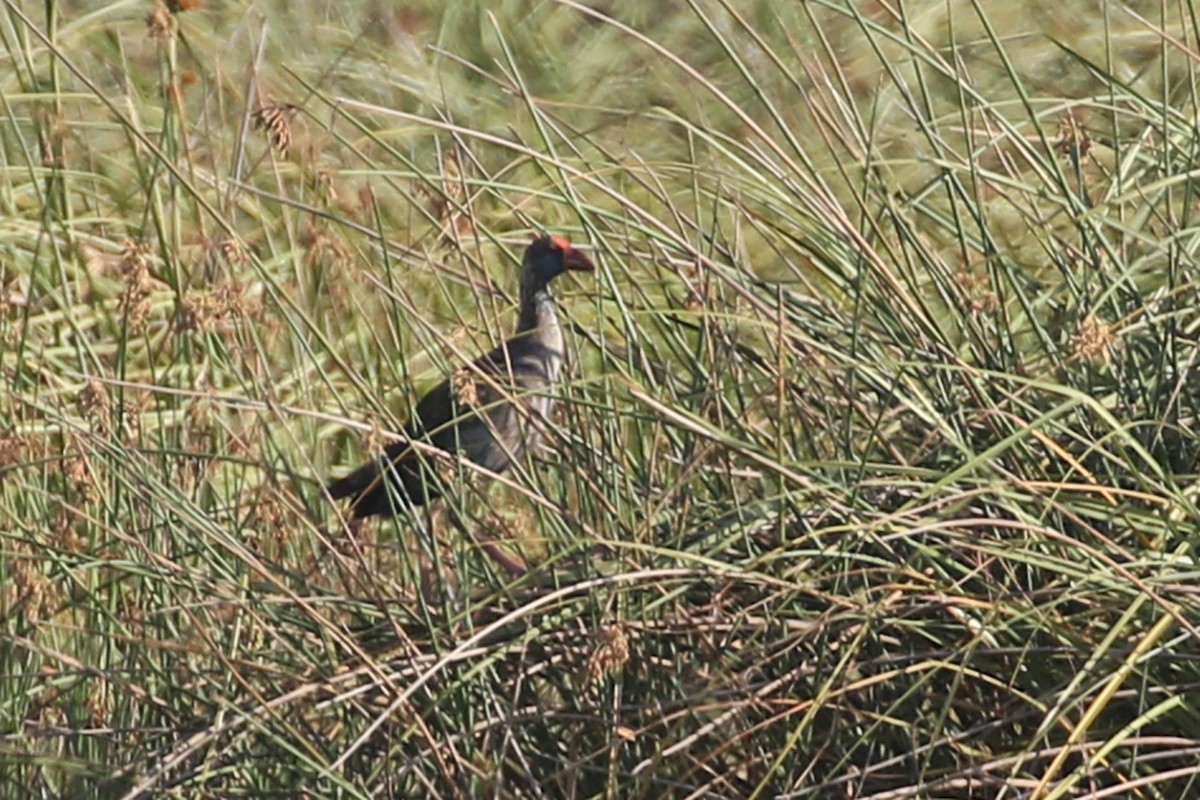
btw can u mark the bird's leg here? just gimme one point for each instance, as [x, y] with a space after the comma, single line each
[438, 579]
[514, 566]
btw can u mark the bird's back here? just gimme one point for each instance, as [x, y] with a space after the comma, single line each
[492, 412]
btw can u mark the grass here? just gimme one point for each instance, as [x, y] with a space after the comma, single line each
[875, 470]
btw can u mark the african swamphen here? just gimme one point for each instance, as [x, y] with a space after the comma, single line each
[493, 419]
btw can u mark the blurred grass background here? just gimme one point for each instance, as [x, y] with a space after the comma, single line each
[875, 474]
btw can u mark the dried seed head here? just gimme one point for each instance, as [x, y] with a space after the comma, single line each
[200, 412]
[138, 285]
[78, 474]
[271, 514]
[13, 448]
[99, 705]
[323, 184]
[451, 206]
[93, 404]
[232, 252]
[1073, 139]
[132, 614]
[54, 142]
[137, 312]
[466, 391]
[27, 591]
[160, 25]
[134, 264]
[452, 176]
[62, 532]
[321, 247]
[275, 119]
[446, 470]
[1094, 341]
[231, 300]
[215, 310]
[610, 655]
[978, 292]
[375, 439]
[194, 314]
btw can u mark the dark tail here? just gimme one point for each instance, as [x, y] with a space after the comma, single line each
[369, 491]
[355, 483]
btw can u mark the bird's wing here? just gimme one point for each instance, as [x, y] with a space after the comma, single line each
[483, 410]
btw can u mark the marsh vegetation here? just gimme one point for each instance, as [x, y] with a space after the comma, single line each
[873, 473]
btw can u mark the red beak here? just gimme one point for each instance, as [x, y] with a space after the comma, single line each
[575, 260]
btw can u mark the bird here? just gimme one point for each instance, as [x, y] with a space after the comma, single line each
[489, 412]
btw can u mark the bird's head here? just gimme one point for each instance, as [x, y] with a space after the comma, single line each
[551, 256]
